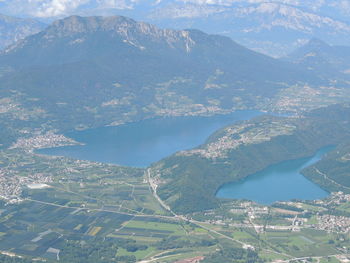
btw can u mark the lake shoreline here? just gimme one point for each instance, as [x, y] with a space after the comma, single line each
[145, 142]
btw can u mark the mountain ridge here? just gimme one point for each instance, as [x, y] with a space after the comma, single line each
[322, 57]
[188, 180]
[96, 71]
[256, 24]
[13, 29]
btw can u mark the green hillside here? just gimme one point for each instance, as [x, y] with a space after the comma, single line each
[190, 179]
[94, 71]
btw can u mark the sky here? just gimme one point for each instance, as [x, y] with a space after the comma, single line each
[59, 8]
[56, 8]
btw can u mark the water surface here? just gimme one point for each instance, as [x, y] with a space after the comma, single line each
[280, 182]
[142, 143]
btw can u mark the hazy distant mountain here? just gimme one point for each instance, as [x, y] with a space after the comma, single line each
[104, 69]
[275, 27]
[13, 29]
[323, 58]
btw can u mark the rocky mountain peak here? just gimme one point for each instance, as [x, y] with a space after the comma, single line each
[132, 32]
[77, 24]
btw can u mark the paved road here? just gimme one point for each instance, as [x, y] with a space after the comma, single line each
[329, 179]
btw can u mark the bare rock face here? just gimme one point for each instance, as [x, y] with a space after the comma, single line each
[130, 31]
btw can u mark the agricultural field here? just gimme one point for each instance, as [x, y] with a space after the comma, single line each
[98, 207]
[90, 201]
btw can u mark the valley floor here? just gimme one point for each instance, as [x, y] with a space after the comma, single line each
[42, 223]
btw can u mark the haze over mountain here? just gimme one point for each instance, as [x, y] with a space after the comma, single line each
[322, 57]
[13, 29]
[100, 70]
[274, 27]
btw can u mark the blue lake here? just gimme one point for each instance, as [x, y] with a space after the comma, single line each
[142, 143]
[279, 182]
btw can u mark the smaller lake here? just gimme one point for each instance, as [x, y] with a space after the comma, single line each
[279, 182]
[142, 143]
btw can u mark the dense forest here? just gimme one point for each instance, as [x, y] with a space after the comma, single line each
[191, 181]
[233, 255]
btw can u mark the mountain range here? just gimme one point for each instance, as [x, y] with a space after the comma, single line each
[92, 71]
[273, 27]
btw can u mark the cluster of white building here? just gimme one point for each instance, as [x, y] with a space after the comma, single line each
[333, 223]
[11, 186]
[47, 140]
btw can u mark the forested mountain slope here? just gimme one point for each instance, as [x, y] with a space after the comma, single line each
[189, 179]
[94, 71]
